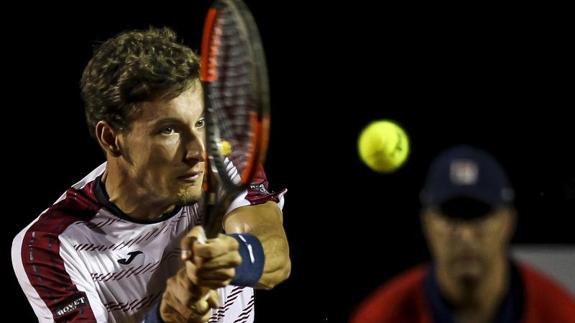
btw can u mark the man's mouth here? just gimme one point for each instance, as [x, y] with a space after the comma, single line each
[190, 176]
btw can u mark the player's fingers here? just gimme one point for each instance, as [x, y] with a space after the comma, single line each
[171, 308]
[200, 307]
[197, 313]
[184, 301]
[219, 274]
[215, 273]
[186, 286]
[197, 286]
[197, 281]
[213, 299]
[191, 271]
[204, 318]
[227, 260]
[176, 284]
[215, 247]
[181, 288]
[215, 284]
[188, 241]
[199, 310]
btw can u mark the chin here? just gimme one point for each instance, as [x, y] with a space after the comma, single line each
[469, 278]
[467, 273]
[189, 195]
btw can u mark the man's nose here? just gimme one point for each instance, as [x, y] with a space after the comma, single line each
[195, 150]
[465, 231]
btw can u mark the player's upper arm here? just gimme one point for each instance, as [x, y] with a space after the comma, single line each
[57, 289]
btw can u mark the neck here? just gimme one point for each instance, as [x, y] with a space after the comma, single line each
[478, 301]
[135, 201]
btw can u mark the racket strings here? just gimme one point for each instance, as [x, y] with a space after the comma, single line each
[233, 95]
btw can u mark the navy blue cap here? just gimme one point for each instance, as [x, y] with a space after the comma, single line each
[466, 172]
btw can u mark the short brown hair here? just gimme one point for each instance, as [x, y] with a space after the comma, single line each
[133, 67]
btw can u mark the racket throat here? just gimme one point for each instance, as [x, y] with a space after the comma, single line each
[212, 198]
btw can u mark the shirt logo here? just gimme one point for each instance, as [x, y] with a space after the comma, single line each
[131, 256]
[79, 301]
[259, 187]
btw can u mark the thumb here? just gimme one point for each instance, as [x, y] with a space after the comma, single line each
[195, 234]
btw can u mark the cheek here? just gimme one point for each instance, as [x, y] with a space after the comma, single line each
[497, 237]
[151, 164]
[438, 240]
[163, 153]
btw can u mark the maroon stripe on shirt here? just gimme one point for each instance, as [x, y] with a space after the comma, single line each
[41, 255]
[258, 191]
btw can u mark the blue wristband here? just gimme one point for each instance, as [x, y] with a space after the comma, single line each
[248, 273]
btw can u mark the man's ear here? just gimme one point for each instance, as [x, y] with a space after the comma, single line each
[108, 138]
[511, 222]
[424, 219]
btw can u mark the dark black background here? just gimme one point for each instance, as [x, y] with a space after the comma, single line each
[498, 78]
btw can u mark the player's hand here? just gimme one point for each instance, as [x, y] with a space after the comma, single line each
[210, 262]
[183, 301]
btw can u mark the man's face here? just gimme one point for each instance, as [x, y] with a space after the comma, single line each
[466, 248]
[164, 151]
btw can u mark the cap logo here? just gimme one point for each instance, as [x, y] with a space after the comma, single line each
[463, 172]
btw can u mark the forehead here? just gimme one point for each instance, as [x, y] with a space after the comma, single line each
[187, 105]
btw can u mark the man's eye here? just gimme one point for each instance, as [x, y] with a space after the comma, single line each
[201, 123]
[167, 131]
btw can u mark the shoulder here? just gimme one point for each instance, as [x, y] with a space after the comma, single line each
[399, 300]
[544, 298]
[77, 205]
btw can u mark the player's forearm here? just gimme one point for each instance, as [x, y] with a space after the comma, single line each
[265, 222]
[277, 267]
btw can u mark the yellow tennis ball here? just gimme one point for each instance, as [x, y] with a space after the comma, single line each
[225, 148]
[383, 146]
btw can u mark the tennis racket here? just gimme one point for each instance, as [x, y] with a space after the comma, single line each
[236, 98]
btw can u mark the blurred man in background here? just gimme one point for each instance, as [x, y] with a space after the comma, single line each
[468, 219]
